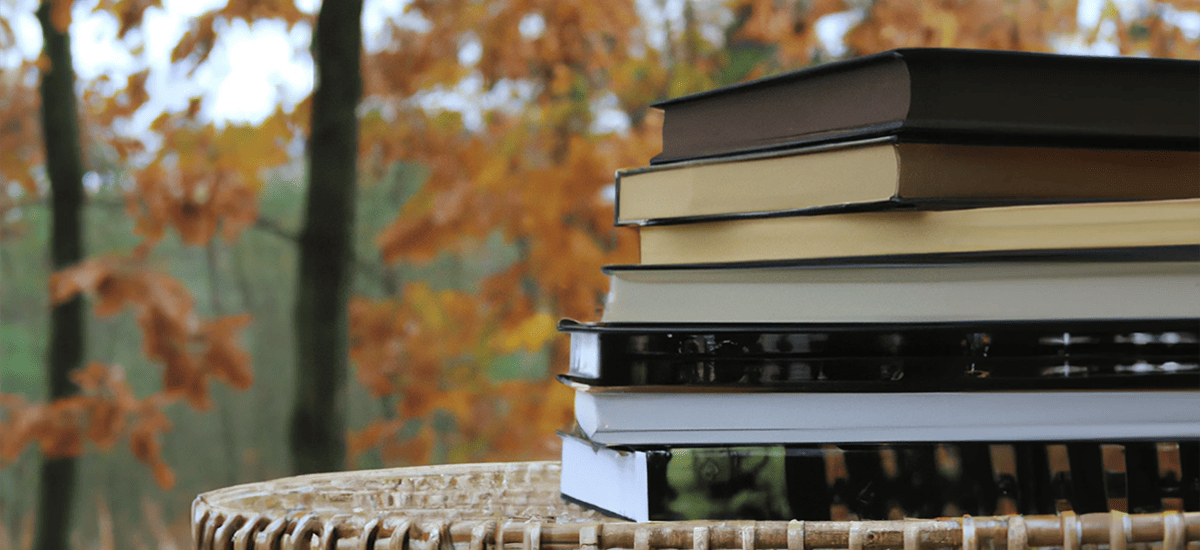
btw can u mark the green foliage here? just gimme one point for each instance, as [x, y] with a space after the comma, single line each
[241, 439]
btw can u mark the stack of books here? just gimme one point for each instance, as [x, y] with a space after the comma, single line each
[920, 283]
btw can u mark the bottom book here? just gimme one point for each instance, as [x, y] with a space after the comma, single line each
[880, 481]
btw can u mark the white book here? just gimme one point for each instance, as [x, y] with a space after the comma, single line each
[747, 418]
[1013, 291]
[614, 481]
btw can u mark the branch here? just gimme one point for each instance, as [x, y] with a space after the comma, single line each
[379, 273]
[273, 227]
[262, 224]
[23, 203]
[243, 281]
[214, 287]
[107, 202]
[376, 272]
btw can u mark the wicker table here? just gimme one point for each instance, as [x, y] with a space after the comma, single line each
[517, 505]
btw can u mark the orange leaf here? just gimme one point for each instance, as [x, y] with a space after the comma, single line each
[60, 433]
[81, 277]
[367, 438]
[163, 475]
[60, 15]
[198, 39]
[416, 402]
[416, 450]
[91, 377]
[105, 423]
[143, 443]
[532, 334]
[229, 363]
[114, 292]
[457, 402]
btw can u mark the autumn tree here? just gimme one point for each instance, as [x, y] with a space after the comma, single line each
[64, 163]
[199, 184]
[534, 172]
[534, 169]
[1138, 28]
[326, 244]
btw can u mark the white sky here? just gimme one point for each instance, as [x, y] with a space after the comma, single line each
[254, 68]
[250, 70]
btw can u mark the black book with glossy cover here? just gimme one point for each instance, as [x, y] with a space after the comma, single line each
[946, 95]
[1126, 354]
[876, 481]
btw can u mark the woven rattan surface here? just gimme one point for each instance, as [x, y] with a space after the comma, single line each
[517, 505]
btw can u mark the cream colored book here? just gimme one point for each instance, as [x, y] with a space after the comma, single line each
[879, 173]
[904, 293]
[1067, 226]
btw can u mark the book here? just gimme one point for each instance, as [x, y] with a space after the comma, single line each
[1147, 284]
[873, 481]
[884, 173]
[1141, 354]
[623, 417]
[947, 95]
[1072, 226]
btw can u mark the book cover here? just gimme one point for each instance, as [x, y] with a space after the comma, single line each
[622, 417]
[1146, 354]
[882, 174]
[1123, 284]
[874, 481]
[946, 95]
[1003, 229]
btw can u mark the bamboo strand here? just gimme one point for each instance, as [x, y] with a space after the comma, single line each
[226, 532]
[369, 535]
[1067, 530]
[302, 532]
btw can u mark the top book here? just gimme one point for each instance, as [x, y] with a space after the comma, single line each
[946, 95]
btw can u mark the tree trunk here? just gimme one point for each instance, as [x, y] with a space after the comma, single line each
[326, 248]
[64, 165]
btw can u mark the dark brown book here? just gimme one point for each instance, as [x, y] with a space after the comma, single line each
[947, 95]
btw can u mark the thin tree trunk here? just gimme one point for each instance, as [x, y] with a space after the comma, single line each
[326, 247]
[225, 410]
[64, 165]
[214, 281]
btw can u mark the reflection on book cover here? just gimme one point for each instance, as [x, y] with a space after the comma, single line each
[894, 481]
[1145, 354]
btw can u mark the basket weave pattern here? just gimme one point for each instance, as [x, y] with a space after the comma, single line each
[517, 506]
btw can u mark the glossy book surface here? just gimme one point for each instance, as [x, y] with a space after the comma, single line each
[881, 481]
[913, 357]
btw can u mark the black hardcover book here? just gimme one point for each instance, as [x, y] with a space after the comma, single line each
[1145, 354]
[946, 95]
[875, 481]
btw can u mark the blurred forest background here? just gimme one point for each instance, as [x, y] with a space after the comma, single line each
[250, 300]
